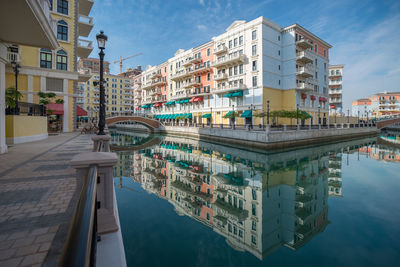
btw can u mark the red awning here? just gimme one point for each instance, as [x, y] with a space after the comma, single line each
[312, 97]
[303, 96]
[58, 109]
[332, 106]
[322, 99]
[198, 99]
[158, 104]
[80, 112]
[138, 108]
[55, 109]
[192, 99]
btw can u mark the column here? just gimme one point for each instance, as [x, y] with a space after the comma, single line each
[3, 145]
[67, 112]
[30, 89]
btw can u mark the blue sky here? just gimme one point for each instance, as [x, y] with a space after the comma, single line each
[365, 34]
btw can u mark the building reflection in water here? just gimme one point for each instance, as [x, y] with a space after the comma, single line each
[258, 202]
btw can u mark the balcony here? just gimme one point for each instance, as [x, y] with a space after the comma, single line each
[304, 57]
[304, 86]
[191, 60]
[304, 44]
[229, 60]
[28, 23]
[158, 82]
[191, 84]
[221, 49]
[304, 72]
[223, 89]
[155, 75]
[220, 76]
[84, 48]
[85, 25]
[85, 6]
[181, 75]
[335, 100]
[155, 92]
[201, 69]
[84, 75]
[147, 85]
[13, 57]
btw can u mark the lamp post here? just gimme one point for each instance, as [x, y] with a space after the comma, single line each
[233, 118]
[348, 116]
[358, 117]
[16, 67]
[367, 115]
[101, 43]
[335, 115]
[297, 114]
[319, 111]
[267, 112]
[211, 117]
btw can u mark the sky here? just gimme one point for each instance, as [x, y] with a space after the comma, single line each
[365, 34]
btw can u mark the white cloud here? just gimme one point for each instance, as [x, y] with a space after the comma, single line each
[201, 2]
[371, 59]
[202, 27]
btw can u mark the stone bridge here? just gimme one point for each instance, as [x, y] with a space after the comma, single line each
[383, 123]
[151, 124]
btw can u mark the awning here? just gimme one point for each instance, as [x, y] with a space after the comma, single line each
[138, 108]
[55, 109]
[228, 95]
[247, 114]
[207, 115]
[230, 113]
[170, 103]
[158, 104]
[303, 96]
[183, 101]
[192, 99]
[312, 97]
[197, 99]
[240, 93]
[80, 112]
[322, 99]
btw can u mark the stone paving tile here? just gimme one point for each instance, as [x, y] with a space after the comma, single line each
[38, 192]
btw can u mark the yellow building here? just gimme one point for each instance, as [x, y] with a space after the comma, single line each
[118, 95]
[54, 68]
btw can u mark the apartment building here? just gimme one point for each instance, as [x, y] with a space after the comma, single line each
[377, 105]
[335, 89]
[93, 64]
[118, 95]
[53, 68]
[251, 67]
[361, 107]
[130, 73]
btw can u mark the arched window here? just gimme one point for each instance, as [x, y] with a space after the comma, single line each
[62, 60]
[62, 30]
[51, 4]
[45, 58]
[62, 6]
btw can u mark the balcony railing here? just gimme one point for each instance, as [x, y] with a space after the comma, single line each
[85, 25]
[200, 69]
[304, 72]
[182, 74]
[304, 44]
[222, 89]
[191, 84]
[220, 49]
[84, 48]
[305, 86]
[191, 60]
[13, 57]
[155, 75]
[226, 60]
[305, 57]
[220, 76]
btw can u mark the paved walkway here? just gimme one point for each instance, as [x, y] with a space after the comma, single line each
[38, 194]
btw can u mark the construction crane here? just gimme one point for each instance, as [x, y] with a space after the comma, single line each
[120, 60]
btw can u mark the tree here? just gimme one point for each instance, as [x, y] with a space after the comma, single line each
[12, 96]
[59, 101]
[45, 98]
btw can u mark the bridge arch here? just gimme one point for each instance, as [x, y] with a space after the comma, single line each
[391, 121]
[151, 124]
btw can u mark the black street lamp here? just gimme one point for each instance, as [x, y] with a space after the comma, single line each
[297, 114]
[101, 43]
[358, 117]
[16, 67]
[233, 116]
[348, 115]
[319, 111]
[335, 115]
[267, 112]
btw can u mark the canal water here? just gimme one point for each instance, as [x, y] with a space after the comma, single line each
[187, 202]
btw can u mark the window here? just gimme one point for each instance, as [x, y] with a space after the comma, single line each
[208, 52]
[253, 239]
[254, 65]
[332, 72]
[230, 43]
[62, 30]
[254, 194]
[241, 69]
[254, 81]
[230, 71]
[62, 6]
[279, 52]
[254, 225]
[316, 48]
[45, 58]
[61, 60]
[240, 40]
[279, 37]
[279, 67]
[208, 76]
[254, 50]
[53, 84]
[235, 42]
[51, 4]
[253, 209]
[235, 70]
[324, 53]
[254, 35]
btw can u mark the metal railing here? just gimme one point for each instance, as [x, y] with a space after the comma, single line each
[80, 247]
[29, 109]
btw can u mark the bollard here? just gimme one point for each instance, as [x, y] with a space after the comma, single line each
[105, 161]
[101, 143]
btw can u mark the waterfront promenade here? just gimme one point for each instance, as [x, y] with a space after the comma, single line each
[38, 195]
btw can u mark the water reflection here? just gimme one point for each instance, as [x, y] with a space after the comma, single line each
[257, 201]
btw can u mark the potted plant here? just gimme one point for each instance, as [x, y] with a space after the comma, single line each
[12, 97]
